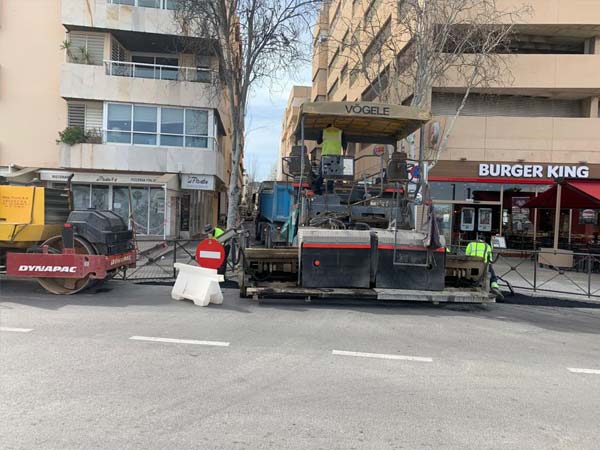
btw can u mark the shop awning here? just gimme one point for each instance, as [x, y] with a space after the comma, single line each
[579, 194]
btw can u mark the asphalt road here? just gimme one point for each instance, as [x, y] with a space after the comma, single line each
[291, 375]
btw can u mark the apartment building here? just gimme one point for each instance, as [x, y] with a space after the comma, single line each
[157, 145]
[298, 95]
[514, 136]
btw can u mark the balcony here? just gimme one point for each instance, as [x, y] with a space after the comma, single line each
[142, 158]
[576, 74]
[532, 139]
[139, 83]
[122, 15]
[158, 72]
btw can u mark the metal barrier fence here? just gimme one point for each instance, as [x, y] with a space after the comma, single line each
[562, 272]
[529, 270]
[156, 259]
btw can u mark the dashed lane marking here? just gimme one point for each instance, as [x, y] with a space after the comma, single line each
[381, 356]
[586, 371]
[16, 330]
[180, 341]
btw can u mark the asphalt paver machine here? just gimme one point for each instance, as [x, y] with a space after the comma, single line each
[352, 233]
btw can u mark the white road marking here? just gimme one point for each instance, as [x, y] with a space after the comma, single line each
[179, 341]
[588, 371]
[381, 356]
[16, 330]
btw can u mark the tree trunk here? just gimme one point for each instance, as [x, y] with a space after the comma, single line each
[233, 196]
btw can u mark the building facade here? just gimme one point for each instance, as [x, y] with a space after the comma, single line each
[513, 137]
[156, 148]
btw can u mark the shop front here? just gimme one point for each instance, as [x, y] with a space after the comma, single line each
[199, 202]
[477, 200]
[149, 203]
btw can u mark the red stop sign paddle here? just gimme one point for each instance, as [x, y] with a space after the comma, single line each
[210, 254]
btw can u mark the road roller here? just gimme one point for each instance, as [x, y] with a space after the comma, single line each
[65, 250]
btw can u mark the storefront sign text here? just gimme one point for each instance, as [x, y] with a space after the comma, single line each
[533, 171]
[198, 182]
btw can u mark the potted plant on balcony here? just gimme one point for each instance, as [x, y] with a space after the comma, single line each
[77, 135]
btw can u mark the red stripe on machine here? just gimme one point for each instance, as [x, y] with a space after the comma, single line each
[347, 246]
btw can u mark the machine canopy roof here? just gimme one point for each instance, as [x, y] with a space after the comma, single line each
[366, 122]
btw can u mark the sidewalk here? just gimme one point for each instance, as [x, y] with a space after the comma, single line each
[538, 281]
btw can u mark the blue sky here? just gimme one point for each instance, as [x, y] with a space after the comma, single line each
[263, 123]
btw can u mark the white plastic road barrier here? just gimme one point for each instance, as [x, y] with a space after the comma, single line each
[197, 284]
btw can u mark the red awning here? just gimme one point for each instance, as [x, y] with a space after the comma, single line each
[579, 194]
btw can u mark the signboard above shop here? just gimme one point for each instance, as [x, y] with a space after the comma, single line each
[532, 172]
[198, 182]
[109, 178]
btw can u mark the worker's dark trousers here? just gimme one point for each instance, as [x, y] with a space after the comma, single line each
[221, 270]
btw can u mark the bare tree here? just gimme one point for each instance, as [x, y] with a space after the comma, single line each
[429, 43]
[254, 41]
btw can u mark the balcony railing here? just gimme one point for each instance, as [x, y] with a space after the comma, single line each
[158, 4]
[157, 71]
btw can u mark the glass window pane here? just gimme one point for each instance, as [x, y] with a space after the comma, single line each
[119, 117]
[168, 73]
[149, 3]
[171, 141]
[142, 59]
[171, 121]
[124, 2]
[144, 118]
[120, 204]
[139, 206]
[196, 122]
[81, 196]
[167, 61]
[144, 72]
[203, 76]
[144, 139]
[157, 211]
[201, 142]
[171, 4]
[119, 137]
[100, 197]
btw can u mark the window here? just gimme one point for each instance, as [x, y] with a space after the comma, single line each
[336, 16]
[346, 39]
[335, 59]
[333, 89]
[160, 4]
[156, 67]
[354, 74]
[343, 73]
[144, 125]
[376, 46]
[372, 11]
[139, 124]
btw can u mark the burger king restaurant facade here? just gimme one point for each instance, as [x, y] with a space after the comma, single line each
[477, 199]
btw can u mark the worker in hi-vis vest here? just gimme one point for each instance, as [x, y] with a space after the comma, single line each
[483, 250]
[332, 142]
[215, 232]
